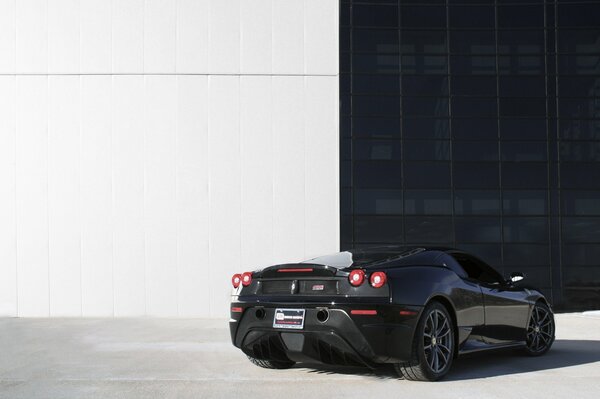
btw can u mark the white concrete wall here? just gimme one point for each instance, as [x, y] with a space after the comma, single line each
[150, 149]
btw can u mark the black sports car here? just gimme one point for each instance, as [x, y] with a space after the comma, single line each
[417, 308]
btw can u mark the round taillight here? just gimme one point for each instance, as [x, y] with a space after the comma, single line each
[236, 280]
[378, 279]
[246, 279]
[356, 277]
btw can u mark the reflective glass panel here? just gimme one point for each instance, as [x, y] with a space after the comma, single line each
[375, 63]
[472, 65]
[580, 203]
[376, 105]
[477, 229]
[475, 150]
[422, 16]
[377, 174]
[477, 202]
[377, 150]
[375, 40]
[375, 15]
[574, 151]
[426, 174]
[521, 16]
[524, 150]
[373, 229]
[424, 106]
[472, 17]
[579, 129]
[484, 86]
[526, 254]
[376, 127]
[525, 202]
[525, 229]
[524, 175]
[427, 202]
[423, 128]
[475, 128]
[376, 84]
[424, 85]
[523, 129]
[378, 202]
[428, 229]
[476, 175]
[472, 42]
[426, 150]
[581, 229]
[423, 41]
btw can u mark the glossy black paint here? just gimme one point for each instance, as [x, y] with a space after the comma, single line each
[486, 314]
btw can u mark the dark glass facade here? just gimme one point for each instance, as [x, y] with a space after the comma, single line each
[476, 124]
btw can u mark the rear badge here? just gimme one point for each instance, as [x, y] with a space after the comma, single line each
[318, 287]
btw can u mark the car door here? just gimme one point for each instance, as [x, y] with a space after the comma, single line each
[506, 308]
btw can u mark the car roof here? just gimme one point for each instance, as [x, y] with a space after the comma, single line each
[383, 254]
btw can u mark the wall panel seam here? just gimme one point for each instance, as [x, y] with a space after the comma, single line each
[163, 74]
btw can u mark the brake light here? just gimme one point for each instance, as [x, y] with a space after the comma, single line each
[236, 280]
[378, 279]
[363, 312]
[356, 277]
[235, 309]
[296, 270]
[407, 313]
[246, 279]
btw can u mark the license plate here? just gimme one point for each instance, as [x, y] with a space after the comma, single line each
[289, 318]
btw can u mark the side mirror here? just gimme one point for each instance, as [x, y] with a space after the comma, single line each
[515, 277]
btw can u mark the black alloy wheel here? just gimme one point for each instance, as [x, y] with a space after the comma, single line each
[540, 330]
[437, 341]
[433, 346]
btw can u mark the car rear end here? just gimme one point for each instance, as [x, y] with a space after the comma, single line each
[310, 312]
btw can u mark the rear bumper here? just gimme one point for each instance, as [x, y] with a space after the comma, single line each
[343, 338]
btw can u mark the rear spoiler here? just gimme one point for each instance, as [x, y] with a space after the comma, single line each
[295, 270]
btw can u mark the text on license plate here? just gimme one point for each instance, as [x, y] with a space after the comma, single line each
[289, 318]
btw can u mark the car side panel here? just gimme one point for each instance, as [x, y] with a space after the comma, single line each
[506, 314]
[417, 285]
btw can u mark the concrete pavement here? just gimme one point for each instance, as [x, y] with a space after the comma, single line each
[193, 358]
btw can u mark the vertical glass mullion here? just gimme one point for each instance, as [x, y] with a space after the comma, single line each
[498, 138]
[449, 82]
[401, 116]
[556, 249]
[352, 196]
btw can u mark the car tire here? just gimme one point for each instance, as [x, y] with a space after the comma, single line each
[271, 364]
[434, 338]
[540, 330]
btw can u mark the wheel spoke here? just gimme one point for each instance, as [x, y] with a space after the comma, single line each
[444, 358]
[547, 324]
[444, 334]
[430, 357]
[443, 327]
[430, 324]
[436, 361]
[443, 348]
